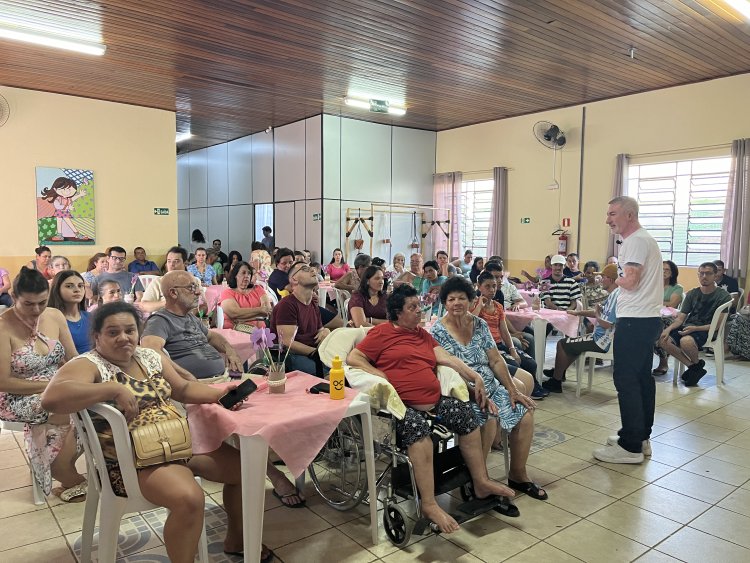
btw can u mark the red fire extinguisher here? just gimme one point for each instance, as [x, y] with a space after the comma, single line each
[562, 244]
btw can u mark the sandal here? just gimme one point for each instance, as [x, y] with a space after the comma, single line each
[267, 559]
[530, 488]
[659, 371]
[75, 492]
[299, 504]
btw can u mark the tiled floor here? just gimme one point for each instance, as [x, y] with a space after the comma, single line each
[690, 502]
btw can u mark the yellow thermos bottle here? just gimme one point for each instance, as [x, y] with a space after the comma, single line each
[336, 379]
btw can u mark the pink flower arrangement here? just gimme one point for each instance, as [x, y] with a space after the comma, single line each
[262, 340]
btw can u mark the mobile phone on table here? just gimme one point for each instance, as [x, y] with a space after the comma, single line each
[238, 394]
[320, 388]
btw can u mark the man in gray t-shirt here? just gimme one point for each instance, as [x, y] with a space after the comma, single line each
[128, 282]
[194, 349]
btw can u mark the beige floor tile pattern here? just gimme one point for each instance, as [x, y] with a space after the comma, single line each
[690, 502]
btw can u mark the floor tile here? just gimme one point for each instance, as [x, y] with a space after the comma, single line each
[710, 431]
[731, 454]
[669, 421]
[572, 426]
[648, 471]
[329, 545]
[669, 455]
[667, 503]
[686, 441]
[580, 448]
[740, 440]
[575, 498]
[359, 531]
[283, 525]
[724, 524]
[719, 470]
[635, 523]
[434, 548]
[543, 553]
[607, 481]
[591, 542]
[596, 417]
[556, 463]
[653, 556]
[135, 536]
[18, 501]
[14, 477]
[540, 518]
[334, 517]
[54, 550]
[491, 539]
[691, 545]
[725, 421]
[738, 501]
[696, 486]
[69, 516]
[13, 458]
[25, 529]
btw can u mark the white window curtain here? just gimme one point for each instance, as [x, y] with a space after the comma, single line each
[735, 235]
[447, 195]
[618, 189]
[497, 245]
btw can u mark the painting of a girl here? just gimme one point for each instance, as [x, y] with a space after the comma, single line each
[65, 206]
[62, 194]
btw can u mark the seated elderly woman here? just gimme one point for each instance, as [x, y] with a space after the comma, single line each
[407, 355]
[367, 304]
[34, 343]
[244, 301]
[469, 339]
[115, 371]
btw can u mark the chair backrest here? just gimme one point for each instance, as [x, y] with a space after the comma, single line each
[271, 293]
[341, 297]
[147, 279]
[740, 301]
[219, 317]
[88, 436]
[346, 309]
[718, 322]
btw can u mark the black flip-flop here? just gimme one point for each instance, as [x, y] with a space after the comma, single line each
[659, 371]
[300, 504]
[530, 488]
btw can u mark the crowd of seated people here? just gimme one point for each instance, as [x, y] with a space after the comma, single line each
[60, 314]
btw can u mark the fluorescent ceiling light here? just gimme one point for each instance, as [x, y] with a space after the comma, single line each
[375, 105]
[182, 137]
[742, 6]
[50, 40]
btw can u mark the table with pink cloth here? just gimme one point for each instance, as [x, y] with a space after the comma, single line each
[561, 320]
[528, 295]
[240, 341]
[295, 424]
[325, 289]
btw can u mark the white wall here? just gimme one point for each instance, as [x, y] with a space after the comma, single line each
[320, 165]
[365, 163]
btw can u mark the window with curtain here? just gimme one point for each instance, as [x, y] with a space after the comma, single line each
[682, 205]
[476, 197]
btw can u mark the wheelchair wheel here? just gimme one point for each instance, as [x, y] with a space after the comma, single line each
[338, 472]
[397, 526]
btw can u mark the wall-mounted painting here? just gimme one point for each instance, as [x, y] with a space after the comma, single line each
[65, 206]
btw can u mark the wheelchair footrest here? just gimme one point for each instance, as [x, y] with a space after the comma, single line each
[475, 507]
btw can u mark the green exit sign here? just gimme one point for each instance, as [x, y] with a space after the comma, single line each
[161, 210]
[525, 220]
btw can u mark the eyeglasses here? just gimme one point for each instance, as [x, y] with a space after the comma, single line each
[192, 287]
[301, 269]
[118, 258]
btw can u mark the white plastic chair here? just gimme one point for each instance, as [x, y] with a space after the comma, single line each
[100, 489]
[740, 301]
[581, 364]
[219, 317]
[346, 310]
[341, 297]
[35, 488]
[147, 279]
[715, 342]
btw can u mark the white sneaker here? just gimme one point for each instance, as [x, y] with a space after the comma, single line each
[645, 448]
[617, 454]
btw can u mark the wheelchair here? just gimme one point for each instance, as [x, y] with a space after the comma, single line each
[339, 476]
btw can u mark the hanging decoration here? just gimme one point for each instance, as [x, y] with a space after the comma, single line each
[414, 238]
[432, 224]
[357, 223]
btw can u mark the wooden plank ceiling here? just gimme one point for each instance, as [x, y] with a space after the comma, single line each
[230, 68]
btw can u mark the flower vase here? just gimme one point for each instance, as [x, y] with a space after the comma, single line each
[277, 380]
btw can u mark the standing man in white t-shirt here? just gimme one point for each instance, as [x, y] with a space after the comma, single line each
[637, 328]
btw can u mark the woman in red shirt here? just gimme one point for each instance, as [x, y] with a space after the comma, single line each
[337, 268]
[243, 301]
[407, 355]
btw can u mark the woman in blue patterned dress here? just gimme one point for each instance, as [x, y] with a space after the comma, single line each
[468, 338]
[201, 269]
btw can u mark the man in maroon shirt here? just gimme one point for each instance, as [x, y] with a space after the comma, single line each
[298, 312]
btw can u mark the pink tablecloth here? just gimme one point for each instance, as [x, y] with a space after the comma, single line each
[212, 296]
[240, 341]
[527, 295]
[561, 320]
[296, 424]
